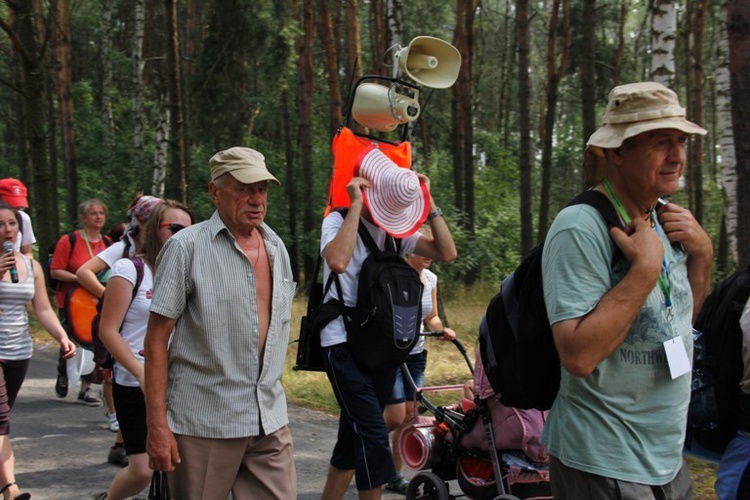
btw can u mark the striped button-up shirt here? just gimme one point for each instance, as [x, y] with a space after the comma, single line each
[216, 388]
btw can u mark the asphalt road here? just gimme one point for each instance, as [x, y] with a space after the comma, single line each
[61, 447]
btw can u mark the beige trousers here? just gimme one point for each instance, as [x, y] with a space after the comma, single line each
[260, 467]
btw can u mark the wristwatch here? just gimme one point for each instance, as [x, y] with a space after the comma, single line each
[436, 213]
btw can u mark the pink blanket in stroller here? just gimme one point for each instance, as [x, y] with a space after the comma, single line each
[513, 428]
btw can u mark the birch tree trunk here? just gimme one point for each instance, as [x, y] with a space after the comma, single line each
[394, 14]
[696, 153]
[105, 62]
[161, 149]
[663, 29]
[728, 174]
[139, 8]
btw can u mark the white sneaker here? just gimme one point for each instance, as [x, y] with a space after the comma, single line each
[114, 425]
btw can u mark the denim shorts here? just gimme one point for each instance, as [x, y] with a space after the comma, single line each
[402, 389]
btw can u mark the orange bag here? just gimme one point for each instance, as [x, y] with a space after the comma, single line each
[80, 309]
[347, 148]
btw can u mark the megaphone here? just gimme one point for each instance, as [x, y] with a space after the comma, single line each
[430, 61]
[381, 108]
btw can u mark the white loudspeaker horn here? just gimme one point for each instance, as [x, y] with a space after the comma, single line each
[430, 61]
[381, 108]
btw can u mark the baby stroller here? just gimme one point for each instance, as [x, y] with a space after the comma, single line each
[474, 442]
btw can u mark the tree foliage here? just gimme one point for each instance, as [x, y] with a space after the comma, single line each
[258, 73]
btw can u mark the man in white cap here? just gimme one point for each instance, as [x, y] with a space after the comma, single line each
[390, 200]
[216, 409]
[624, 332]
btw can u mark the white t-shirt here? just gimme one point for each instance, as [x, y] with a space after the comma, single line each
[112, 253]
[335, 332]
[133, 328]
[26, 236]
[430, 282]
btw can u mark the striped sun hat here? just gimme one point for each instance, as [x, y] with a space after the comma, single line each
[397, 201]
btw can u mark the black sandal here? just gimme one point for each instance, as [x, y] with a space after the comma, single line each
[20, 496]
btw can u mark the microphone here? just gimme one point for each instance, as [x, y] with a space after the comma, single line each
[8, 248]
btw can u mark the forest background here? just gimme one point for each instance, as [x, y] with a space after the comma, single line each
[107, 98]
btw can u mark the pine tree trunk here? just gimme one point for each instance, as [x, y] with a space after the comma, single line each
[177, 133]
[44, 192]
[63, 89]
[305, 87]
[524, 123]
[330, 51]
[738, 29]
[588, 74]
[555, 73]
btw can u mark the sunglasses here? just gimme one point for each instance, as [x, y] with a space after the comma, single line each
[174, 228]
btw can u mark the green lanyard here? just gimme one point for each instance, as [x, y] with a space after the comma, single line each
[665, 283]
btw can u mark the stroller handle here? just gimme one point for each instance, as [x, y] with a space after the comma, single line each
[458, 345]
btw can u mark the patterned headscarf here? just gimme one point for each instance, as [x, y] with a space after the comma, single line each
[138, 213]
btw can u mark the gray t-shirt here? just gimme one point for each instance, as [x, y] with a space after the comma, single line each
[627, 419]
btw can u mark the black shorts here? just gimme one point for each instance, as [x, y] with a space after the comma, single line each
[131, 415]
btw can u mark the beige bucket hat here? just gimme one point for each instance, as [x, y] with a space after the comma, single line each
[633, 109]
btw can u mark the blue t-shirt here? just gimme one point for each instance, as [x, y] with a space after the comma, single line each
[626, 420]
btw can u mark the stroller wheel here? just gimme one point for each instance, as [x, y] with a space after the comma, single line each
[427, 486]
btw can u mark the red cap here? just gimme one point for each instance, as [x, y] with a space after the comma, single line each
[14, 193]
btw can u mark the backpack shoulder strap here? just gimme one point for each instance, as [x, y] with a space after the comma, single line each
[600, 202]
[138, 263]
[390, 241]
[606, 209]
[367, 238]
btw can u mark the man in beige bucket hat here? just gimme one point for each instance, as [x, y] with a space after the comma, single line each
[621, 304]
[217, 415]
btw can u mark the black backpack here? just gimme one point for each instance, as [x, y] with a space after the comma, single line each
[718, 408]
[515, 337]
[384, 326]
[102, 357]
